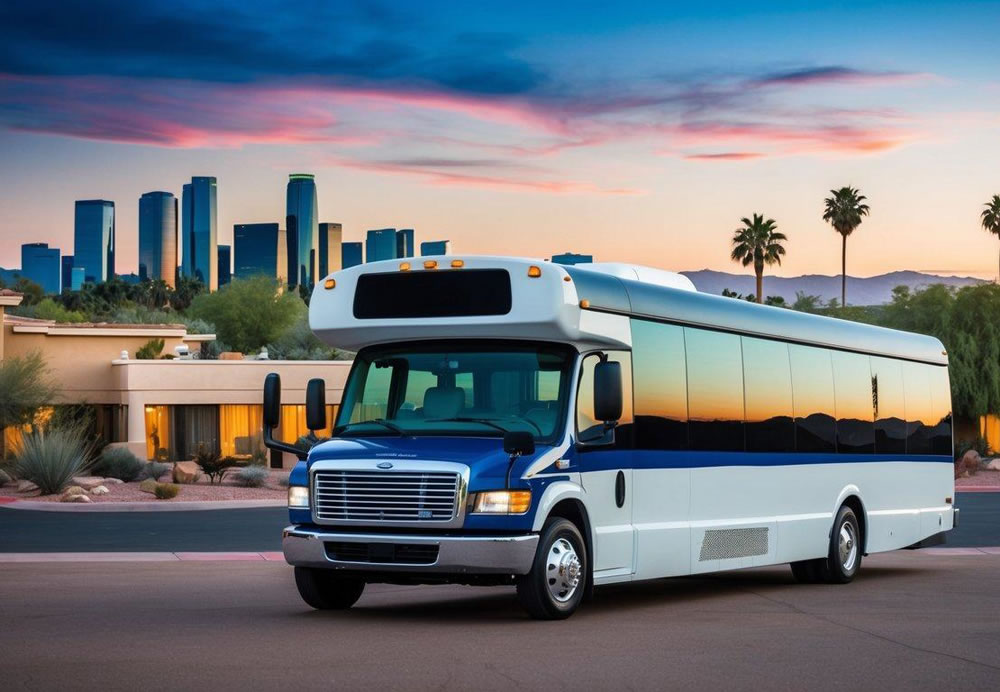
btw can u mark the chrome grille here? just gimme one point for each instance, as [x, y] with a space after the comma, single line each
[351, 495]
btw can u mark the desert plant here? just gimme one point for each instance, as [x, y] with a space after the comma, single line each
[155, 469]
[50, 459]
[25, 386]
[120, 463]
[757, 242]
[252, 476]
[166, 491]
[213, 464]
[283, 481]
[150, 351]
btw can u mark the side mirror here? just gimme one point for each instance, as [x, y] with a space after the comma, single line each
[518, 443]
[316, 404]
[608, 391]
[272, 400]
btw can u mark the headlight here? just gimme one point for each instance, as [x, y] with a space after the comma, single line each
[298, 497]
[502, 502]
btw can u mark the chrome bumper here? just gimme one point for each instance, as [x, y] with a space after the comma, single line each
[456, 554]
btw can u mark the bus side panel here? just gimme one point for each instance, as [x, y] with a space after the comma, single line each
[660, 514]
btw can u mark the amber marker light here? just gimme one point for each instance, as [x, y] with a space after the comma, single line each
[584, 303]
[567, 278]
[329, 283]
[534, 271]
[457, 264]
[404, 266]
[430, 264]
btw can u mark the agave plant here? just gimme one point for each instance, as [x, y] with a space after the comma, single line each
[50, 459]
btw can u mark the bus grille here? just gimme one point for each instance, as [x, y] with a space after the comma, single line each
[374, 496]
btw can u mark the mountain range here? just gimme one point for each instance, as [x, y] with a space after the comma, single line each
[872, 290]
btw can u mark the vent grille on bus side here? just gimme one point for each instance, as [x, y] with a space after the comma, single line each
[723, 544]
[374, 496]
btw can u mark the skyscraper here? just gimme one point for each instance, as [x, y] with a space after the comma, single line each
[94, 239]
[257, 249]
[572, 258]
[330, 237]
[67, 272]
[158, 237]
[301, 224]
[351, 254]
[282, 256]
[435, 247]
[225, 264]
[40, 263]
[76, 279]
[199, 231]
[380, 244]
[404, 242]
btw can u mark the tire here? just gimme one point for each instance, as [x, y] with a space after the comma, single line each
[557, 582]
[326, 590]
[844, 558]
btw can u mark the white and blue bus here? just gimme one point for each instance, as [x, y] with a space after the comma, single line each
[556, 428]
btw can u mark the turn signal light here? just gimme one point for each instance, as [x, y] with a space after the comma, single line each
[534, 272]
[502, 502]
[431, 264]
[457, 264]
[329, 283]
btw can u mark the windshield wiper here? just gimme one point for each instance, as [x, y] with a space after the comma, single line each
[378, 421]
[485, 421]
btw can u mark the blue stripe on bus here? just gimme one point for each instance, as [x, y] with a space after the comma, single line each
[649, 459]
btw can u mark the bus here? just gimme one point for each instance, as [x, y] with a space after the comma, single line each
[557, 428]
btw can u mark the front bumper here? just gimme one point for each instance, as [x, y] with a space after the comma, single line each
[306, 547]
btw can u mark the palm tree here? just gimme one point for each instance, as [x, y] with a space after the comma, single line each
[991, 217]
[757, 242]
[844, 211]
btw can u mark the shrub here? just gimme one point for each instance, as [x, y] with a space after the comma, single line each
[51, 459]
[213, 464]
[151, 351]
[166, 491]
[252, 476]
[155, 469]
[120, 463]
[283, 481]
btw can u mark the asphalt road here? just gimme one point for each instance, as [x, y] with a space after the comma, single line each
[260, 529]
[912, 621]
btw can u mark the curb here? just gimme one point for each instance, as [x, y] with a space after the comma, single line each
[142, 557]
[157, 506]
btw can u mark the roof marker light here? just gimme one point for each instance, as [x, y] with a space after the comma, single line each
[534, 271]
[329, 283]
[431, 264]
[404, 266]
[567, 278]
[584, 303]
[457, 264]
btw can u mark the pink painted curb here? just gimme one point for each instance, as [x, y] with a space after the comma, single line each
[159, 506]
[978, 489]
[143, 557]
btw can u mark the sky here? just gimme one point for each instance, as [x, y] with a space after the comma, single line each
[639, 132]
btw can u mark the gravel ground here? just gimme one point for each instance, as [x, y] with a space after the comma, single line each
[983, 478]
[202, 490]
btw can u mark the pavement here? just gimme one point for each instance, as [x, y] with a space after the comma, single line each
[912, 620]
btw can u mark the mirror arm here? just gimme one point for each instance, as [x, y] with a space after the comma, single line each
[279, 446]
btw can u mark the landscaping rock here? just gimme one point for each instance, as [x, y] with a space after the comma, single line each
[88, 482]
[100, 490]
[4, 478]
[994, 465]
[148, 486]
[186, 472]
[112, 481]
[75, 498]
[24, 486]
[968, 464]
[74, 490]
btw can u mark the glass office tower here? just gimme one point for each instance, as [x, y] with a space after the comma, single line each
[435, 247]
[301, 226]
[256, 249]
[199, 231]
[351, 254]
[158, 237]
[94, 239]
[40, 263]
[330, 237]
[404, 242]
[225, 264]
[380, 244]
[67, 272]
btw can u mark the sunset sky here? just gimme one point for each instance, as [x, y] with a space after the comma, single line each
[639, 132]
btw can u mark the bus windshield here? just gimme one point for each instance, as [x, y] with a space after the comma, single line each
[461, 388]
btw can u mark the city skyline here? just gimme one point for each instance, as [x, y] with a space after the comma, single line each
[520, 130]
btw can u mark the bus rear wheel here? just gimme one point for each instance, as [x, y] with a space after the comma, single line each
[326, 590]
[843, 558]
[554, 587]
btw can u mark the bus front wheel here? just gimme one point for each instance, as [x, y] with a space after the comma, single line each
[326, 590]
[554, 587]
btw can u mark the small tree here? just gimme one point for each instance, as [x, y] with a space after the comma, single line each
[25, 387]
[249, 313]
[758, 243]
[991, 218]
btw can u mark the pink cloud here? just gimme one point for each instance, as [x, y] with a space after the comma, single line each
[725, 156]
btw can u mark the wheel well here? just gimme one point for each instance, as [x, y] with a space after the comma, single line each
[574, 511]
[854, 502]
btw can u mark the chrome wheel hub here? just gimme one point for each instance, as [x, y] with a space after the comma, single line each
[562, 570]
[848, 546]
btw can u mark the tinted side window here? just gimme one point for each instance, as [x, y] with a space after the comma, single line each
[941, 403]
[586, 423]
[661, 415]
[767, 378]
[919, 412]
[812, 398]
[715, 390]
[853, 395]
[890, 411]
